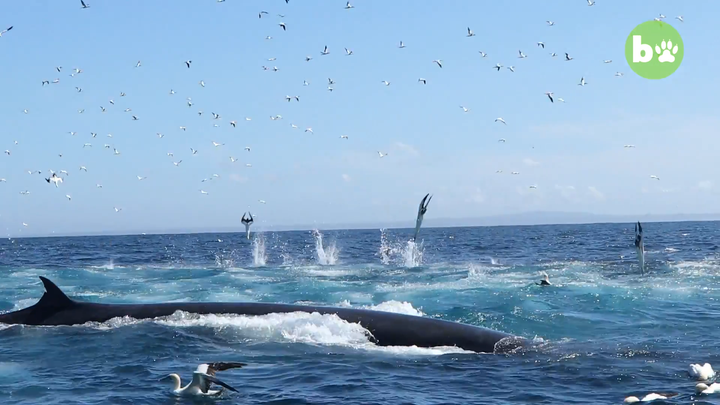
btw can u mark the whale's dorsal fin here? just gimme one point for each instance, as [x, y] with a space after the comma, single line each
[54, 297]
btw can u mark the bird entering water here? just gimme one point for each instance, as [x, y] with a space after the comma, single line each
[545, 281]
[203, 378]
[422, 209]
[247, 221]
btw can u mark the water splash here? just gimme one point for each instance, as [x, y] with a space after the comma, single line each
[386, 248]
[325, 255]
[413, 254]
[258, 250]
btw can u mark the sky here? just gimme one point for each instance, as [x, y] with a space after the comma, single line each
[573, 151]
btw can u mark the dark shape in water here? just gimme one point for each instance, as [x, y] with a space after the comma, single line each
[385, 328]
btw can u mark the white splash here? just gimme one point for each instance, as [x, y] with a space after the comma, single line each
[413, 254]
[386, 250]
[258, 250]
[393, 306]
[325, 255]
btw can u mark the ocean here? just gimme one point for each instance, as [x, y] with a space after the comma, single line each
[603, 330]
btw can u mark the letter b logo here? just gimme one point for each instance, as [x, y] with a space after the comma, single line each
[654, 50]
[641, 53]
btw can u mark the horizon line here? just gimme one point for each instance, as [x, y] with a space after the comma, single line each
[491, 221]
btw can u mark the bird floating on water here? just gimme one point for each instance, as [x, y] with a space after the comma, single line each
[203, 378]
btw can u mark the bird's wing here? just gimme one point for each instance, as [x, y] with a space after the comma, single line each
[213, 368]
[205, 381]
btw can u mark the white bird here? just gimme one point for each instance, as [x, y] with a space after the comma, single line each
[68, 197]
[470, 33]
[348, 52]
[465, 109]
[247, 148]
[497, 66]
[618, 74]
[117, 209]
[553, 54]
[550, 94]
[6, 30]
[141, 177]
[194, 151]
[438, 61]
[262, 202]
[680, 18]
[483, 54]
[137, 64]
[522, 55]
[215, 144]
[702, 388]
[232, 159]
[308, 129]
[550, 23]
[325, 51]
[160, 135]
[649, 397]
[116, 152]
[501, 140]
[514, 172]
[652, 176]
[541, 44]
[202, 83]
[170, 154]
[83, 168]
[533, 186]
[582, 82]
[382, 154]
[385, 82]
[567, 57]
[98, 185]
[511, 68]
[233, 123]
[591, 2]
[629, 146]
[421, 80]
[201, 192]
[607, 61]
[348, 6]
[282, 24]
[499, 119]
[701, 373]
[87, 144]
[402, 45]
[343, 137]
[177, 163]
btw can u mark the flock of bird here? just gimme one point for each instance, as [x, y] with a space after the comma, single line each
[60, 177]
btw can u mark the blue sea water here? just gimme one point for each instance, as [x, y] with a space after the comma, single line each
[607, 331]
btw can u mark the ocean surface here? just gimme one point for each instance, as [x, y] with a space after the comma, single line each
[604, 331]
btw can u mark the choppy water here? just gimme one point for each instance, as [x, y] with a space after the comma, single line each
[608, 331]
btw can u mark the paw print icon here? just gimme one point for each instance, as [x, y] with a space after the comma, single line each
[666, 51]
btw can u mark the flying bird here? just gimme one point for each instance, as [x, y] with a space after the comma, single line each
[325, 51]
[567, 57]
[282, 24]
[438, 61]
[499, 119]
[540, 44]
[348, 6]
[84, 5]
[421, 80]
[470, 33]
[6, 30]
[187, 63]
[549, 94]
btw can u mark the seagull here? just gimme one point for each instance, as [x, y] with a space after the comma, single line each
[522, 55]
[308, 58]
[402, 45]
[84, 5]
[561, 100]
[567, 57]
[348, 6]
[7, 152]
[5, 30]
[541, 44]
[421, 80]
[553, 54]
[83, 168]
[187, 63]
[160, 135]
[549, 94]
[115, 151]
[232, 159]
[98, 185]
[44, 82]
[438, 61]
[135, 118]
[652, 176]
[514, 172]
[282, 24]
[325, 51]
[247, 148]
[533, 186]
[382, 154]
[470, 33]
[233, 123]
[87, 144]
[499, 119]
[582, 82]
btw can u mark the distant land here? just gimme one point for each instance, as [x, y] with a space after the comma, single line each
[520, 219]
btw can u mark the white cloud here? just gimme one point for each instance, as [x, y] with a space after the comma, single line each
[345, 177]
[531, 162]
[595, 193]
[409, 149]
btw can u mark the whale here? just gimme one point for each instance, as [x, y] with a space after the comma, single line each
[422, 209]
[247, 221]
[55, 308]
[640, 246]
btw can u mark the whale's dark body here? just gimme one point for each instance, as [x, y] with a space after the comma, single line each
[386, 328]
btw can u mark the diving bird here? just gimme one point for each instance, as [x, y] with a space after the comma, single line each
[203, 378]
[422, 209]
[247, 221]
[640, 246]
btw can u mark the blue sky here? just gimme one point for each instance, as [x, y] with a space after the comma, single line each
[572, 151]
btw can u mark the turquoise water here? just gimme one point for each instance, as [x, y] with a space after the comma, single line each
[606, 331]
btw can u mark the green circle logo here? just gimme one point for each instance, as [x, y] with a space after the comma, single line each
[654, 50]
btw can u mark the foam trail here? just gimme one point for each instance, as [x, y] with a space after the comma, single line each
[258, 250]
[325, 256]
